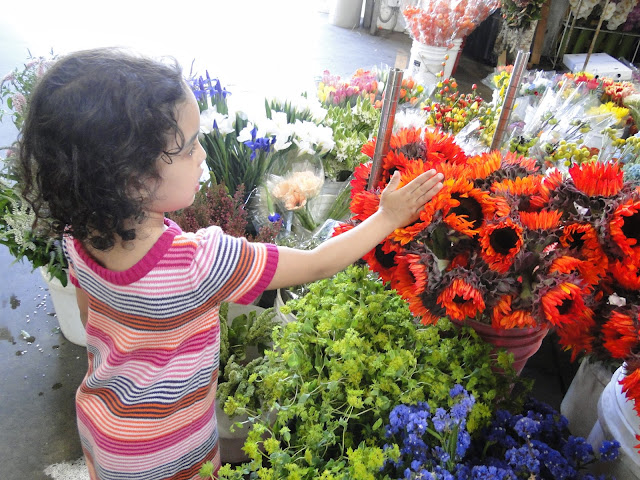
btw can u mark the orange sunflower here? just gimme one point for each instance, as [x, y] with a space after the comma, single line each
[528, 193]
[464, 207]
[582, 241]
[391, 162]
[411, 274]
[461, 299]
[624, 227]
[597, 179]
[621, 334]
[529, 164]
[543, 220]
[483, 165]
[409, 143]
[500, 241]
[504, 316]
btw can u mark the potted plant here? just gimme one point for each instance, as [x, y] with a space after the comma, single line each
[18, 232]
[245, 333]
[334, 375]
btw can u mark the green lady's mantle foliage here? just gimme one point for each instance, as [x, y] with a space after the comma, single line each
[334, 376]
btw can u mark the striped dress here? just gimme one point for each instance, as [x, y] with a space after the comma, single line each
[146, 405]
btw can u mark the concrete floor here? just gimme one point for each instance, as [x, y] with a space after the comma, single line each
[275, 47]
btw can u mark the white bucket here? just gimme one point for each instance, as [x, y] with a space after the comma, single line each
[66, 308]
[427, 61]
[345, 13]
[580, 403]
[617, 420]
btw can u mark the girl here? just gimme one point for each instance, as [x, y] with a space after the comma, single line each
[109, 145]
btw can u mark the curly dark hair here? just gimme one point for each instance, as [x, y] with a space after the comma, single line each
[97, 123]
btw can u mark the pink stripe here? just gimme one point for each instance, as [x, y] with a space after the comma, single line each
[129, 448]
[158, 358]
[267, 275]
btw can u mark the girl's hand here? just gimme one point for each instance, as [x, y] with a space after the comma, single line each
[403, 205]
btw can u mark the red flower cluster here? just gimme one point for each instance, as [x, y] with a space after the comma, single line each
[505, 244]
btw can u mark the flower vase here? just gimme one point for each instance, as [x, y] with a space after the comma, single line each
[617, 420]
[521, 342]
[65, 305]
[580, 403]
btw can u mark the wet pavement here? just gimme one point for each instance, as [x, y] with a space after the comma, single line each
[261, 54]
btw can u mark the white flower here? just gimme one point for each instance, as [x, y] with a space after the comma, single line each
[245, 133]
[211, 115]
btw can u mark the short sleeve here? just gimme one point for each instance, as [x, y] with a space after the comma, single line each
[233, 269]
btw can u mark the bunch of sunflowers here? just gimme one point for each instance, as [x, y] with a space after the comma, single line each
[506, 244]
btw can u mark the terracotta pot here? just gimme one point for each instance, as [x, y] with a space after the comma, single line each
[521, 342]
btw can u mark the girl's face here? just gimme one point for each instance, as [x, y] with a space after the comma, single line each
[180, 180]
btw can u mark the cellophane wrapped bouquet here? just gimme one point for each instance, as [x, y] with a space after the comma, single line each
[439, 22]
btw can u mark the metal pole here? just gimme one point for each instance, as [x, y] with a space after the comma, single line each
[387, 115]
[595, 36]
[510, 97]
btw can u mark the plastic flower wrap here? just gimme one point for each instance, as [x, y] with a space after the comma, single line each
[448, 109]
[439, 22]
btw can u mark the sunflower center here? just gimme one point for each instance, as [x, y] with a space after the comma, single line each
[387, 260]
[565, 306]
[578, 241]
[413, 150]
[459, 300]
[503, 240]
[631, 227]
[470, 208]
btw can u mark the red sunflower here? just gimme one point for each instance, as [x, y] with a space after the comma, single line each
[624, 227]
[577, 336]
[504, 316]
[382, 259]
[626, 272]
[529, 164]
[360, 179]
[582, 240]
[391, 162]
[500, 241]
[364, 204]
[461, 299]
[620, 334]
[631, 389]
[597, 179]
[418, 309]
[441, 147]
[564, 303]
[369, 148]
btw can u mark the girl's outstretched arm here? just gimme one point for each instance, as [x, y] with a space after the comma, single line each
[398, 207]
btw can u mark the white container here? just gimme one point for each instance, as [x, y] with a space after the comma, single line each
[66, 308]
[617, 420]
[345, 13]
[427, 61]
[279, 302]
[580, 403]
